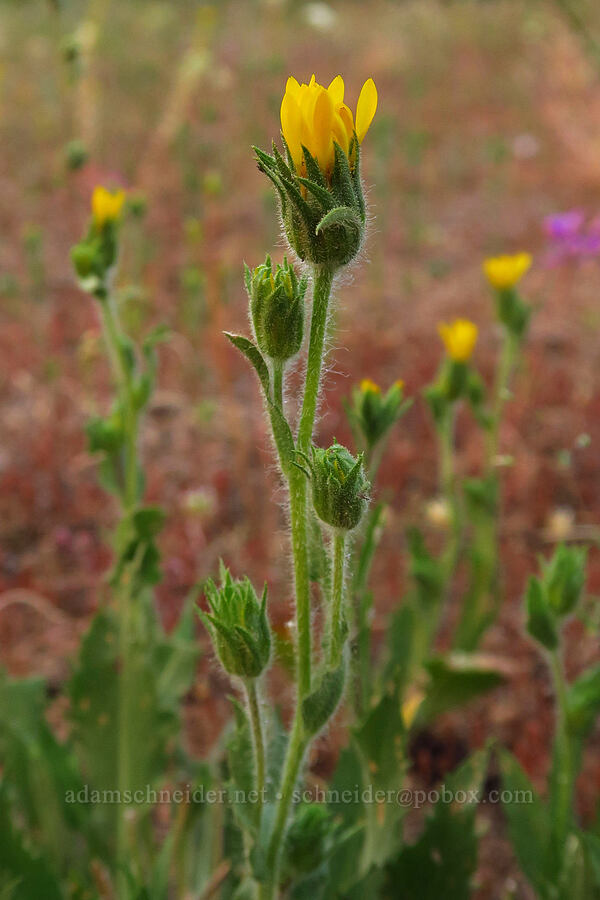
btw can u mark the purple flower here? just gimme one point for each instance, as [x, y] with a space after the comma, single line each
[570, 238]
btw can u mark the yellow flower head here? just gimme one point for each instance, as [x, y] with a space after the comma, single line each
[504, 272]
[106, 206]
[459, 339]
[314, 117]
[368, 386]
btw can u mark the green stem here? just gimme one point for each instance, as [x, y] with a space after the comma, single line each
[278, 383]
[483, 597]
[297, 480]
[295, 753]
[449, 493]
[563, 762]
[335, 631]
[113, 338]
[323, 279]
[506, 365]
[122, 374]
[318, 326]
[259, 746]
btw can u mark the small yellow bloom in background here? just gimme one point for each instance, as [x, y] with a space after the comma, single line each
[314, 117]
[459, 338]
[399, 383]
[410, 707]
[106, 205]
[367, 386]
[505, 271]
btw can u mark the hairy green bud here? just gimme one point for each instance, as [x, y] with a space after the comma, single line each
[323, 214]
[339, 486]
[372, 413]
[276, 308]
[237, 623]
[306, 842]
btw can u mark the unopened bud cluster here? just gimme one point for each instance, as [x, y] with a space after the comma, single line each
[340, 489]
[238, 625]
[276, 308]
[95, 256]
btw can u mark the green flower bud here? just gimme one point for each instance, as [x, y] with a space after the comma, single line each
[455, 379]
[339, 486]
[512, 311]
[83, 257]
[372, 413]
[564, 578]
[306, 842]
[323, 214]
[276, 308]
[76, 155]
[238, 625]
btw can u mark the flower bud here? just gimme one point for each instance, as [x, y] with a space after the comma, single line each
[373, 413]
[503, 274]
[564, 577]
[95, 256]
[277, 309]
[339, 486]
[306, 841]
[238, 625]
[319, 186]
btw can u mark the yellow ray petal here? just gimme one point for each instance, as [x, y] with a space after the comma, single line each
[291, 126]
[322, 144]
[365, 108]
[336, 90]
[292, 87]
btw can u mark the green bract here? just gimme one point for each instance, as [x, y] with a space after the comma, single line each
[512, 311]
[276, 308]
[238, 625]
[94, 258]
[564, 577]
[323, 217]
[372, 414]
[339, 486]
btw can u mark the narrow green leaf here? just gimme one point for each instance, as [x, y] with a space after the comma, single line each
[254, 357]
[319, 706]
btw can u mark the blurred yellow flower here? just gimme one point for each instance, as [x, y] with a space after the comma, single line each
[314, 117]
[106, 205]
[505, 271]
[367, 385]
[459, 338]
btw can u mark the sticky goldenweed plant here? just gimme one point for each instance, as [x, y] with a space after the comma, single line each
[287, 847]
[559, 857]
[468, 510]
[318, 182]
[76, 812]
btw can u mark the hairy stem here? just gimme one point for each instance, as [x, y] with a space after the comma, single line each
[257, 735]
[323, 279]
[295, 753]
[337, 601]
[278, 383]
